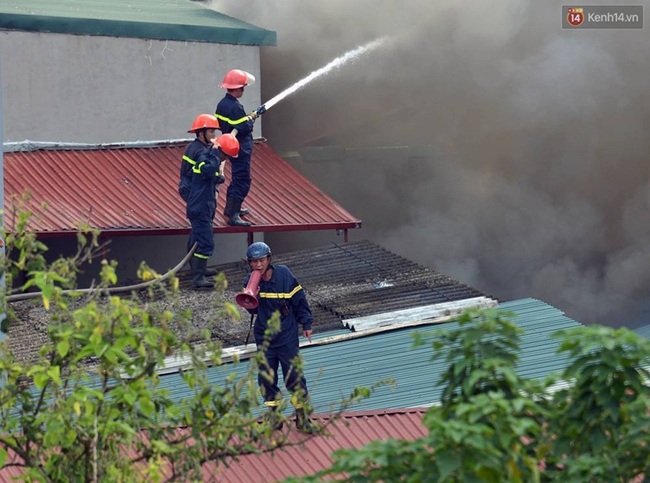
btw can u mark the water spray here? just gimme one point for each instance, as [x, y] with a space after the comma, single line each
[338, 62]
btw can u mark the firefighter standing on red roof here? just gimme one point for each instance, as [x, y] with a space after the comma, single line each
[202, 203]
[279, 291]
[231, 115]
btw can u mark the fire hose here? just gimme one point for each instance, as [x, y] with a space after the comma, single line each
[106, 291]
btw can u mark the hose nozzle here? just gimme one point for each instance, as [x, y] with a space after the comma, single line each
[261, 110]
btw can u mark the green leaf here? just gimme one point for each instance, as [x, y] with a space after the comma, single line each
[147, 406]
[63, 347]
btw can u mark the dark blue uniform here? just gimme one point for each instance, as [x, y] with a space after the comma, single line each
[284, 294]
[202, 202]
[192, 153]
[231, 115]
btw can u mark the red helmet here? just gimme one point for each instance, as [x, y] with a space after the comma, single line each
[204, 121]
[234, 79]
[228, 145]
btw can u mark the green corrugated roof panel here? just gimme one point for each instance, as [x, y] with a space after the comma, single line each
[644, 331]
[183, 20]
[334, 370]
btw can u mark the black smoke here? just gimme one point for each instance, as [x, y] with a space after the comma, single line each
[534, 180]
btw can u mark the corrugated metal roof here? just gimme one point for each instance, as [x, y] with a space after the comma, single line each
[182, 20]
[359, 280]
[334, 369]
[352, 431]
[643, 330]
[133, 191]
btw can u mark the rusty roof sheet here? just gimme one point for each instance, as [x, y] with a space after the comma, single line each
[133, 191]
[353, 430]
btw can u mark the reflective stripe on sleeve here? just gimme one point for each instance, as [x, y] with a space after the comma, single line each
[275, 295]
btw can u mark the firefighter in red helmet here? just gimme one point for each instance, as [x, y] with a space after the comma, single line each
[231, 115]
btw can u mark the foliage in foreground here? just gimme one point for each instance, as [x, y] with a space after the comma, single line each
[494, 426]
[92, 407]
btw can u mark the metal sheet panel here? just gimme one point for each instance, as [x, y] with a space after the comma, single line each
[306, 456]
[182, 20]
[133, 190]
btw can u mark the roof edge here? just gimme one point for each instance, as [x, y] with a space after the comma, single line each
[145, 30]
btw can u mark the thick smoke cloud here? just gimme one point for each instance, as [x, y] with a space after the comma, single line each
[541, 185]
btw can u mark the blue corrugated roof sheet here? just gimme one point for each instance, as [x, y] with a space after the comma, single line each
[333, 370]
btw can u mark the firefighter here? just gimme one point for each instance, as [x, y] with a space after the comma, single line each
[231, 115]
[202, 204]
[279, 291]
[204, 127]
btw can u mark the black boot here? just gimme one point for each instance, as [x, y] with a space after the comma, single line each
[274, 419]
[198, 273]
[235, 219]
[303, 423]
[209, 272]
[227, 211]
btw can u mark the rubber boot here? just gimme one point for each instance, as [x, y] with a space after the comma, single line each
[235, 219]
[303, 423]
[227, 211]
[209, 272]
[198, 274]
[273, 417]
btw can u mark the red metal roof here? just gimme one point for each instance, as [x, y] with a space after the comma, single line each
[354, 430]
[133, 190]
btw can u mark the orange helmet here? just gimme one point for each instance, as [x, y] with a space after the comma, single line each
[228, 145]
[234, 79]
[204, 121]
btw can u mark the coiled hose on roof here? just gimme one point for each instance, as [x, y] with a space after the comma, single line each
[106, 291]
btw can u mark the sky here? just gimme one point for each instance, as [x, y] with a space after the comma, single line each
[539, 181]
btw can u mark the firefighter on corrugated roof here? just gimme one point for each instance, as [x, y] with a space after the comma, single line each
[279, 291]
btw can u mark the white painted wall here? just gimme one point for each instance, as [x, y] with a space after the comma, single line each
[89, 89]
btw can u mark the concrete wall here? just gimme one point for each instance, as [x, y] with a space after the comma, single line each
[162, 253]
[73, 88]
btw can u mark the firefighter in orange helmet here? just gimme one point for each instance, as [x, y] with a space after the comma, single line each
[231, 115]
[204, 127]
[202, 203]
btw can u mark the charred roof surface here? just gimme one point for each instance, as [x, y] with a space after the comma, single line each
[342, 282]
